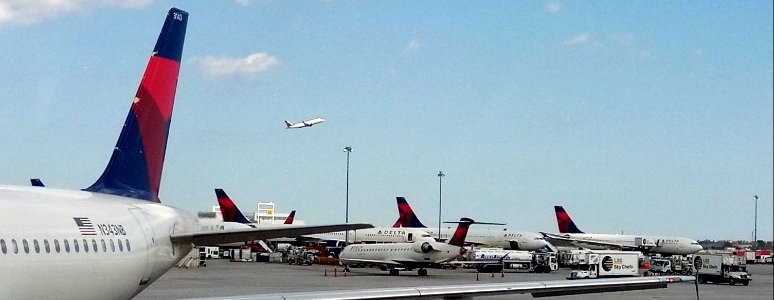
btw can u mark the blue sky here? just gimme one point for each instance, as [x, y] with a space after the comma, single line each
[649, 117]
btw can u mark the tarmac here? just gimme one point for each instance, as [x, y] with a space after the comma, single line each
[222, 278]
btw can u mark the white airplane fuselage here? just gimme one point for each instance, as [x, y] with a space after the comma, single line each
[506, 239]
[405, 253]
[658, 244]
[44, 252]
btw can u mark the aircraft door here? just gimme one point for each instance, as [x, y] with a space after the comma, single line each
[593, 271]
[410, 237]
[149, 242]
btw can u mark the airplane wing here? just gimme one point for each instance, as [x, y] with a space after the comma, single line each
[536, 288]
[582, 241]
[261, 233]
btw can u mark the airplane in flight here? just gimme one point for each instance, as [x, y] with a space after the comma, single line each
[506, 239]
[302, 124]
[114, 238]
[668, 245]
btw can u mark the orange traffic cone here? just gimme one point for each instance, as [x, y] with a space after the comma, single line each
[502, 274]
[492, 274]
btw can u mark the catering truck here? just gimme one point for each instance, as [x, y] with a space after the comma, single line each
[721, 268]
[607, 264]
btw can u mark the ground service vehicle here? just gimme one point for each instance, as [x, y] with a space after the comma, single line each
[607, 264]
[497, 259]
[670, 265]
[721, 268]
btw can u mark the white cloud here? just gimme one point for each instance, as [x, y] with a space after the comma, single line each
[34, 11]
[553, 6]
[413, 46]
[224, 66]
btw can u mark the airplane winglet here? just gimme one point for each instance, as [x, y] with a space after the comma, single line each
[135, 167]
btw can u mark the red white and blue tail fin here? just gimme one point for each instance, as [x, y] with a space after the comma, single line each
[566, 225]
[228, 208]
[291, 217]
[36, 182]
[135, 167]
[288, 123]
[406, 216]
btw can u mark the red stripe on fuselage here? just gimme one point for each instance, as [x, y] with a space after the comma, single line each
[153, 110]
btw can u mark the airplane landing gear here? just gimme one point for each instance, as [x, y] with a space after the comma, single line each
[422, 272]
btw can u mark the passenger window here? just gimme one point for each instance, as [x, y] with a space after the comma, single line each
[45, 244]
[94, 245]
[67, 246]
[2, 245]
[128, 247]
[120, 246]
[104, 248]
[56, 245]
[15, 246]
[85, 246]
[75, 246]
[26, 246]
[37, 246]
[112, 246]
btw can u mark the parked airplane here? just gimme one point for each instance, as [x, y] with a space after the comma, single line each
[307, 123]
[506, 239]
[649, 244]
[114, 238]
[419, 254]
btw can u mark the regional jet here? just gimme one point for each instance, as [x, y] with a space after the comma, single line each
[506, 239]
[114, 238]
[307, 123]
[668, 245]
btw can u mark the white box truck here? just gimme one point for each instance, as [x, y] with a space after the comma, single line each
[607, 264]
[721, 268]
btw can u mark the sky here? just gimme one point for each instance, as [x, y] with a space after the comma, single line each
[641, 117]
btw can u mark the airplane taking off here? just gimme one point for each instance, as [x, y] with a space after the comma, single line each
[307, 123]
[114, 238]
[668, 245]
[506, 239]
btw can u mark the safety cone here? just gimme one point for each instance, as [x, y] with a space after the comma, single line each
[492, 274]
[335, 272]
[346, 273]
[502, 274]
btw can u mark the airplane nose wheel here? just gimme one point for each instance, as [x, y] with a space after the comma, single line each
[422, 272]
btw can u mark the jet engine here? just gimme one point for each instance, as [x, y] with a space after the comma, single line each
[422, 247]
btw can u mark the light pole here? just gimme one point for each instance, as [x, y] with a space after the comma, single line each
[755, 232]
[347, 149]
[440, 184]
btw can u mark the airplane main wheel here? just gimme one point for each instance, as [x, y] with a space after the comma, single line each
[732, 281]
[422, 272]
[394, 272]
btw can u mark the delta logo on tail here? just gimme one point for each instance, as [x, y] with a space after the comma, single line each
[566, 225]
[458, 239]
[406, 215]
[230, 211]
